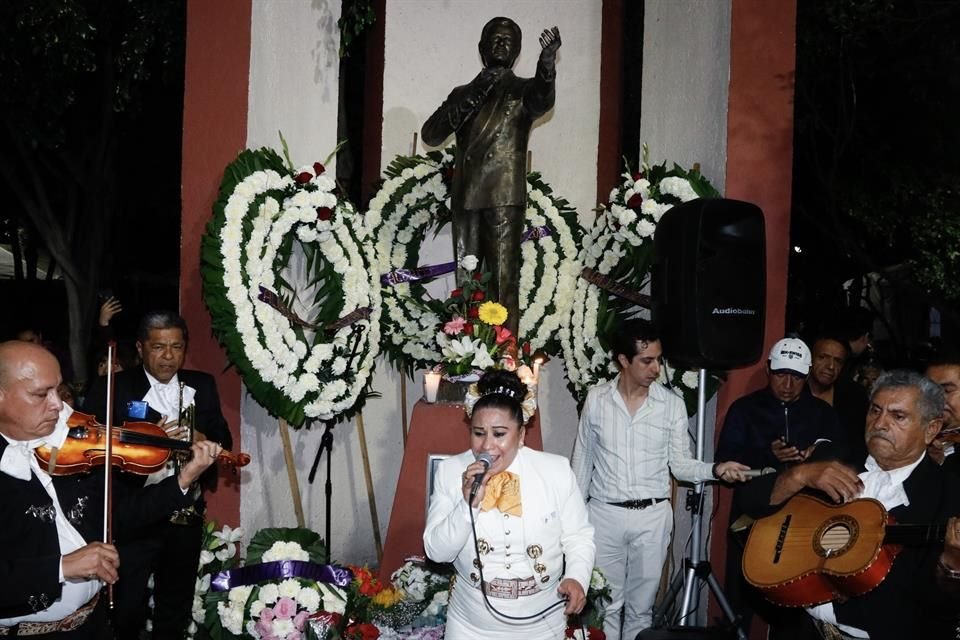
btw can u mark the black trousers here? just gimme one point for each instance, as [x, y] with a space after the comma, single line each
[171, 555]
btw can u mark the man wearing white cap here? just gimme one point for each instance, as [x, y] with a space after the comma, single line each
[783, 422]
[777, 426]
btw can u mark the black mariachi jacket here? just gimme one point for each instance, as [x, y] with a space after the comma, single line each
[29, 546]
[913, 601]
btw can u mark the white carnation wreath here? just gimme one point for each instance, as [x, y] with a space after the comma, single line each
[619, 246]
[412, 201]
[297, 368]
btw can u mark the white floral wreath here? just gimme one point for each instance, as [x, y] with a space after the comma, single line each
[413, 200]
[263, 207]
[620, 246]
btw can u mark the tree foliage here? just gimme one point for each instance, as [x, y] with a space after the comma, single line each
[875, 160]
[73, 73]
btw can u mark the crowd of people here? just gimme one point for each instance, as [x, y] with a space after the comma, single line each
[54, 559]
[523, 528]
[507, 517]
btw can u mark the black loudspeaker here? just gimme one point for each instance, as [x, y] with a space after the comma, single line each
[709, 283]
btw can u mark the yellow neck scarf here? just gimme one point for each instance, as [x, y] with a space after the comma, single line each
[503, 493]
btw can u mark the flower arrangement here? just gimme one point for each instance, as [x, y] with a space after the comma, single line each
[472, 335]
[620, 246]
[282, 242]
[591, 618]
[413, 200]
[285, 591]
[413, 607]
[219, 551]
[282, 584]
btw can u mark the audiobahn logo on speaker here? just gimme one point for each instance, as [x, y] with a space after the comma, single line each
[733, 311]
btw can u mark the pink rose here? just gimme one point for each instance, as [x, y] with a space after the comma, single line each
[300, 620]
[285, 608]
[454, 327]
[265, 629]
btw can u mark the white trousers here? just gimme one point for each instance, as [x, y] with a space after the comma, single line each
[631, 549]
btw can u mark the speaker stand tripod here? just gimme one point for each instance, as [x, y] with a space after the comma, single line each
[697, 569]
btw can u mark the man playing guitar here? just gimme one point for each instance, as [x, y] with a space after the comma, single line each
[920, 595]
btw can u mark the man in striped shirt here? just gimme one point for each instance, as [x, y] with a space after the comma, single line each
[632, 436]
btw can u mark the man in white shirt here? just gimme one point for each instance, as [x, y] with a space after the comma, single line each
[51, 565]
[632, 436]
[922, 590]
[162, 390]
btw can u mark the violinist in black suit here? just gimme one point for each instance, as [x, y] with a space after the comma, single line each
[162, 391]
[52, 565]
[920, 596]
[492, 116]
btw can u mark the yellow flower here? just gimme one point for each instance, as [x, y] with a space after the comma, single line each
[388, 597]
[493, 313]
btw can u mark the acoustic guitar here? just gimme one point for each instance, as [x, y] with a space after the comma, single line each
[810, 552]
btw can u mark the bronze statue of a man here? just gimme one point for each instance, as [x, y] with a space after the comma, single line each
[492, 116]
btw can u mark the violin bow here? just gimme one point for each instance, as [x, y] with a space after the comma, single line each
[107, 471]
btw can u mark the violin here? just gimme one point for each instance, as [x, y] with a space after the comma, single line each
[951, 435]
[138, 447]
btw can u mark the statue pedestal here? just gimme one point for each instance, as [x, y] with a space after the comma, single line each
[435, 430]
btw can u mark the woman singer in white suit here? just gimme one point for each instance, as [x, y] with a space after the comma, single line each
[530, 517]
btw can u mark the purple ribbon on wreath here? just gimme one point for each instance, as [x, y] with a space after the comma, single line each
[535, 233]
[400, 276]
[279, 570]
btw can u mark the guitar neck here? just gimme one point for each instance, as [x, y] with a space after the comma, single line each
[915, 535]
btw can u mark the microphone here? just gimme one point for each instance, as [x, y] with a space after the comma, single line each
[756, 473]
[486, 461]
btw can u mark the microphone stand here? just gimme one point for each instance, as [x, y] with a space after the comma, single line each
[696, 566]
[326, 442]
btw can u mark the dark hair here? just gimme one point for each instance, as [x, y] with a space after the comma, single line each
[625, 337]
[930, 399]
[501, 389]
[158, 320]
[945, 358]
[832, 337]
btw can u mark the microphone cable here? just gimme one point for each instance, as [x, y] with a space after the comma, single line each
[483, 589]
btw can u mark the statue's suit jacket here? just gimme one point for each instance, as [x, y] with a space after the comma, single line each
[29, 546]
[491, 158]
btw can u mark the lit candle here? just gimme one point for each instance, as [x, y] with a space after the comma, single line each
[536, 372]
[431, 382]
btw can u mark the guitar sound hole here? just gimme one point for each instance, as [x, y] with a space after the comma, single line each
[835, 536]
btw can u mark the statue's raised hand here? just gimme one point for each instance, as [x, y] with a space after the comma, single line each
[550, 41]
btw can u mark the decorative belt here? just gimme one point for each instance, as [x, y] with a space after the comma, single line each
[511, 588]
[637, 504]
[72, 622]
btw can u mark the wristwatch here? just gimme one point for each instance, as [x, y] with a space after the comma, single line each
[953, 574]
